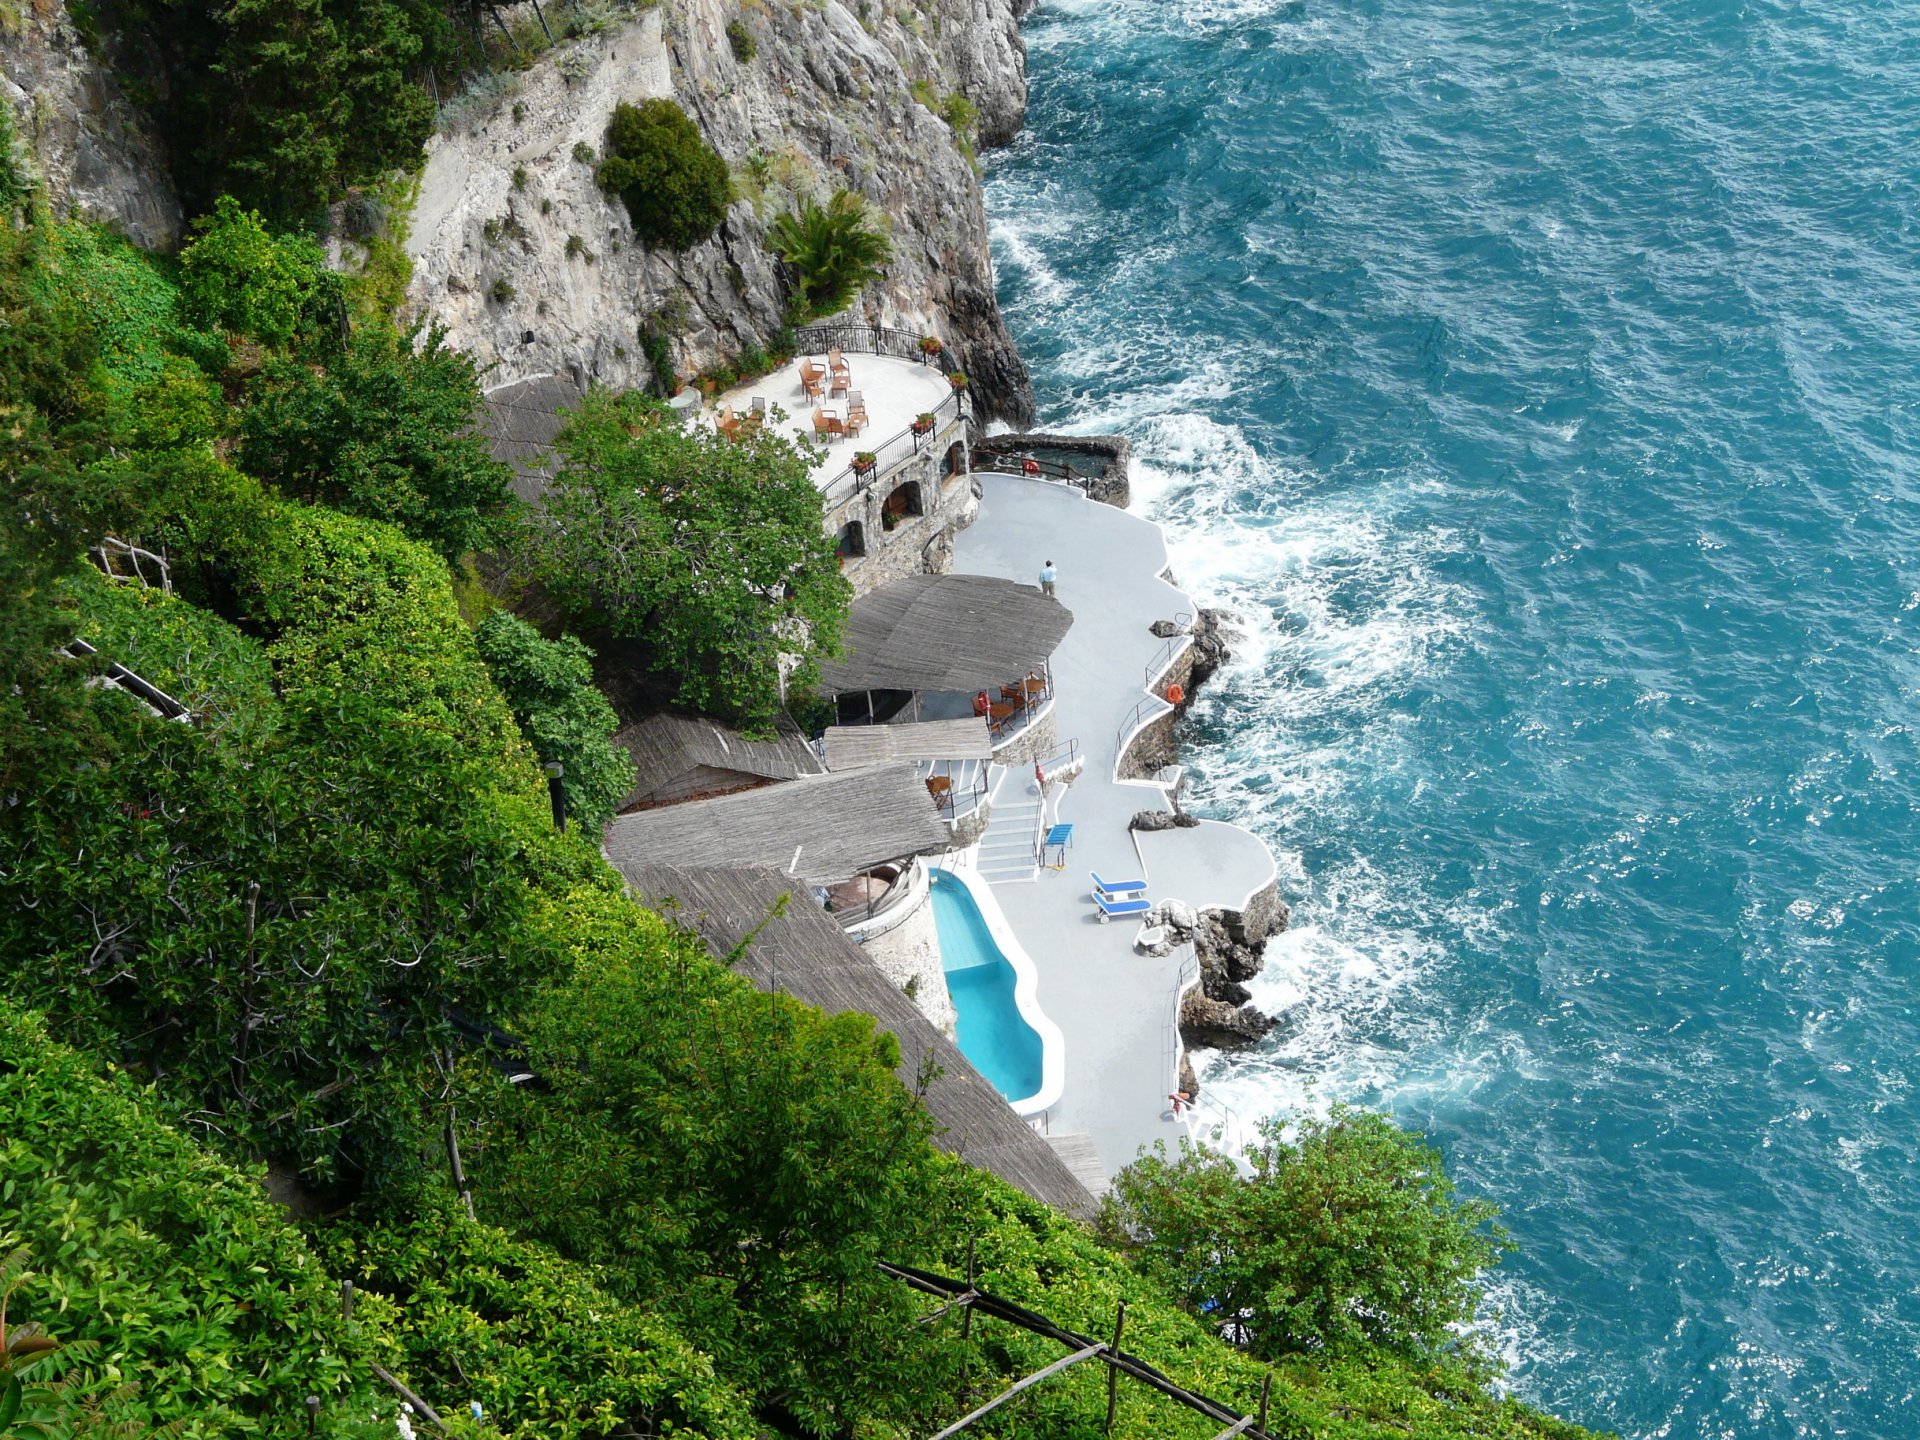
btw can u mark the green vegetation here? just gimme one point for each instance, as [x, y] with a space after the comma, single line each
[383, 429]
[1345, 1241]
[238, 277]
[834, 250]
[177, 1267]
[708, 552]
[673, 182]
[740, 40]
[549, 684]
[323, 923]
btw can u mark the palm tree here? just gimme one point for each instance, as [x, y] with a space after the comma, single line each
[835, 250]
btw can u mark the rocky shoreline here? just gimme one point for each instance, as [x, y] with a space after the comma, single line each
[1230, 945]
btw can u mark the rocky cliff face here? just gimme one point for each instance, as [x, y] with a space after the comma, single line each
[531, 266]
[95, 153]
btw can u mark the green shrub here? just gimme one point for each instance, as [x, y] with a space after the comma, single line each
[502, 291]
[549, 684]
[384, 430]
[740, 38]
[548, 1352]
[673, 183]
[189, 1278]
[583, 153]
[811, 1161]
[834, 250]
[236, 276]
[1346, 1240]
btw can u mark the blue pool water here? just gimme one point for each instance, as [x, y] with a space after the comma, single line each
[1538, 379]
[991, 1031]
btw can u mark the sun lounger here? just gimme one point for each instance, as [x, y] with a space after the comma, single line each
[1113, 888]
[1110, 907]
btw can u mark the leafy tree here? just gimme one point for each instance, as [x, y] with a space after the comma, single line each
[537, 1339]
[835, 250]
[549, 684]
[237, 276]
[708, 552]
[285, 103]
[674, 183]
[383, 429]
[1346, 1240]
[174, 1267]
[283, 910]
[737, 1157]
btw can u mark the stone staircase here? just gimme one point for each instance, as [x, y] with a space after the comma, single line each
[1010, 845]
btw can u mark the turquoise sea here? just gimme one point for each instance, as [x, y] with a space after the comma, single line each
[1538, 381]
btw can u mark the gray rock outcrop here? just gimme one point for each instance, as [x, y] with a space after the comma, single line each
[94, 151]
[534, 269]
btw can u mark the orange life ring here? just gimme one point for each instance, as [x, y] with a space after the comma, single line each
[1175, 694]
[1030, 466]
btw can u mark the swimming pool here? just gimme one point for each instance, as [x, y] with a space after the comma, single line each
[1000, 1027]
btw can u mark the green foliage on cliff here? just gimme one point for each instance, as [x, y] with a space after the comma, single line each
[673, 183]
[738, 1158]
[1345, 1241]
[236, 275]
[835, 250]
[193, 1283]
[382, 428]
[467, 1310]
[285, 103]
[706, 552]
[549, 684]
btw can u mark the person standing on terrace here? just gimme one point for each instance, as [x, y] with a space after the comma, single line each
[1047, 576]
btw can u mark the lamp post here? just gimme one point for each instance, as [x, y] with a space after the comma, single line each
[557, 792]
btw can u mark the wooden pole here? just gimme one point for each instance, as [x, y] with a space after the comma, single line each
[1240, 1426]
[453, 1159]
[1097, 1348]
[400, 1389]
[346, 1299]
[1113, 1375]
[1266, 1393]
[543, 21]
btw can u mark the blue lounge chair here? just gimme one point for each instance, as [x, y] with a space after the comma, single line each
[1114, 888]
[1110, 907]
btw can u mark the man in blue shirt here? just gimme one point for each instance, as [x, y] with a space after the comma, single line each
[1047, 576]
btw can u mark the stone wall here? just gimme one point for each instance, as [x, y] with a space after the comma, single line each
[826, 103]
[95, 153]
[919, 544]
[908, 954]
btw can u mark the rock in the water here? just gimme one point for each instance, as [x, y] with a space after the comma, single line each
[1217, 1025]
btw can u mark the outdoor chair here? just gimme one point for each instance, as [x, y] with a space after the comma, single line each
[825, 424]
[1110, 907]
[941, 788]
[1114, 888]
[760, 406]
[856, 420]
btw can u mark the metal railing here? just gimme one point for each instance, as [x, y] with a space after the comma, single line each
[870, 340]
[1053, 470]
[1164, 657]
[1130, 724]
[896, 450]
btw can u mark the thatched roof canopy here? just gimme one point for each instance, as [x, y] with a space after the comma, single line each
[850, 747]
[520, 421]
[805, 954]
[821, 829]
[946, 632]
[665, 747]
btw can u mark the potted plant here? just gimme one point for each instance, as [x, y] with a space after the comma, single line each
[923, 423]
[864, 461]
[930, 346]
[958, 379]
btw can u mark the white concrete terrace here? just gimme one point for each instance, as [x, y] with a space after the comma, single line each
[1113, 1004]
[895, 393]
